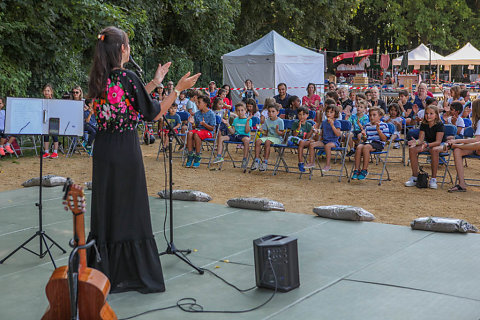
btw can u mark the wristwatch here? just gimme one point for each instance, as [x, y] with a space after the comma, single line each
[177, 91]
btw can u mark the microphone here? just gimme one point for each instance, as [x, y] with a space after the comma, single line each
[135, 64]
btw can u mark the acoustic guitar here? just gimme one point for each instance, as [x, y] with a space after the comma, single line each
[87, 287]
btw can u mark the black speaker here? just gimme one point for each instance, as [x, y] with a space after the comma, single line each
[283, 254]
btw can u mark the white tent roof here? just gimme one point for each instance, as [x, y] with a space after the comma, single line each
[420, 56]
[272, 44]
[466, 55]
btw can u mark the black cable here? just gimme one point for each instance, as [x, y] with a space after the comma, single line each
[165, 194]
[191, 305]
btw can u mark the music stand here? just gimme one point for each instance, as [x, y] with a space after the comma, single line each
[21, 121]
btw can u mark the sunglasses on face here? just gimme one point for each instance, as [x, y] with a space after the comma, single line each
[76, 92]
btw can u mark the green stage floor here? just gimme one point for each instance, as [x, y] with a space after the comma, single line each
[348, 270]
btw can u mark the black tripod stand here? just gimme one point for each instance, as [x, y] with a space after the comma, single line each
[40, 232]
[171, 249]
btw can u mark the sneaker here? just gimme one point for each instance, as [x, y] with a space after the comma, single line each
[355, 174]
[244, 163]
[46, 155]
[263, 166]
[301, 167]
[412, 182]
[54, 155]
[196, 161]
[363, 174]
[218, 160]
[189, 161]
[326, 168]
[255, 165]
[433, 183]
[309, 165]
[396, 145]
[2, 152]
[350, 153]
[8, 149]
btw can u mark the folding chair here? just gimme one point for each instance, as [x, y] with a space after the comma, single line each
[29, 143]
[226, 151]
[468, 123]
[311, 114]
[381, 157]
[183, 117]
[287, 125]
[444, 157]
[402, 142]
[345, 128]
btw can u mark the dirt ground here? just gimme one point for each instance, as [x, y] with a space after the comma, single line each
[390, 203]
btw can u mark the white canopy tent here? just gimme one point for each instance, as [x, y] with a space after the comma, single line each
[420, 56]
[269, 61]
[464, 56]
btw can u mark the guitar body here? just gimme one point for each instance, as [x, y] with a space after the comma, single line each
[93, 287]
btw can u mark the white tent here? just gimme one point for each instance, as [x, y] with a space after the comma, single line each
[466, 55]
[420, 56]
[272, 60]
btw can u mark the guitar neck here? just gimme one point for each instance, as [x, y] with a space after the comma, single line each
[79, 231]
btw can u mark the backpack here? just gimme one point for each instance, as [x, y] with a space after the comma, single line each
[422, 179]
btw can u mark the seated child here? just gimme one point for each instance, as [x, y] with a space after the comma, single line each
[292, 107]
[394, 117]
[375, 134]
[272, 130]
[456, 108]
[3, 138]
[358, 120]
[431, 138]
[328, 137]
[203, 123]
[239, 131]
[264, 114]
[252, 109]
[89, 124]
[463, 147]
[302, 130]
[173, 119]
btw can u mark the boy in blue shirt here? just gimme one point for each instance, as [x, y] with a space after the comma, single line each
[203, 123]
[358, 121]
[376, 134]
[272, 130]
[328, 137]
[239, 131]
[173, 119]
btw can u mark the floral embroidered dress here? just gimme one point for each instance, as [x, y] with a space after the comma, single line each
[120, 213]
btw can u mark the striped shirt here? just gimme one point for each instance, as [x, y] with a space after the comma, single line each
[372, 134]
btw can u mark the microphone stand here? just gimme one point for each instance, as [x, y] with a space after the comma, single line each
[171, 249]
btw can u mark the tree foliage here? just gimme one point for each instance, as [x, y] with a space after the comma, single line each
[53, 41]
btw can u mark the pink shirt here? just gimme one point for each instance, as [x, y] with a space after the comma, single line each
[310, 102]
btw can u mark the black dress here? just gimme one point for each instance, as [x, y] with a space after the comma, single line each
[120, 213]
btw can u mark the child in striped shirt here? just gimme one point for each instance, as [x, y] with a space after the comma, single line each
[375, 135]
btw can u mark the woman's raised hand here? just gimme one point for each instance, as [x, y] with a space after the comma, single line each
[160, 73]
[186, 82]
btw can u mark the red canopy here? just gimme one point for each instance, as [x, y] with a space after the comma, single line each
[353, 54]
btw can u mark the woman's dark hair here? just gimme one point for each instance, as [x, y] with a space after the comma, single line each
[205, 99]
[253, 103]
[229, 94]
[108, 55]
[291, 100]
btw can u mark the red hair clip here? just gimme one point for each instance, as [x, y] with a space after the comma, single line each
[101, 37]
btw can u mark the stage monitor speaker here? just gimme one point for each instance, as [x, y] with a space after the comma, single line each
[283, 254]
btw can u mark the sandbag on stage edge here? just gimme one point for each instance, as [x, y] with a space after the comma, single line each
[50, 180]
[262, 204]
[185, 195]
[442, 225]
[341, 212]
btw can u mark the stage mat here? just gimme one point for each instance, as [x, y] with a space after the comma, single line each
[348, 270]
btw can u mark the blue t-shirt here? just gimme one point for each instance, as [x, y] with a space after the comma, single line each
[271, 126]
[208, 117]
[173, 120]
[92, 121]
[240, 124]
[327, 132]
[372, 134]
[363, 121]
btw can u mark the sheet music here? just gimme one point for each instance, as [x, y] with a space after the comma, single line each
[26, 116]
